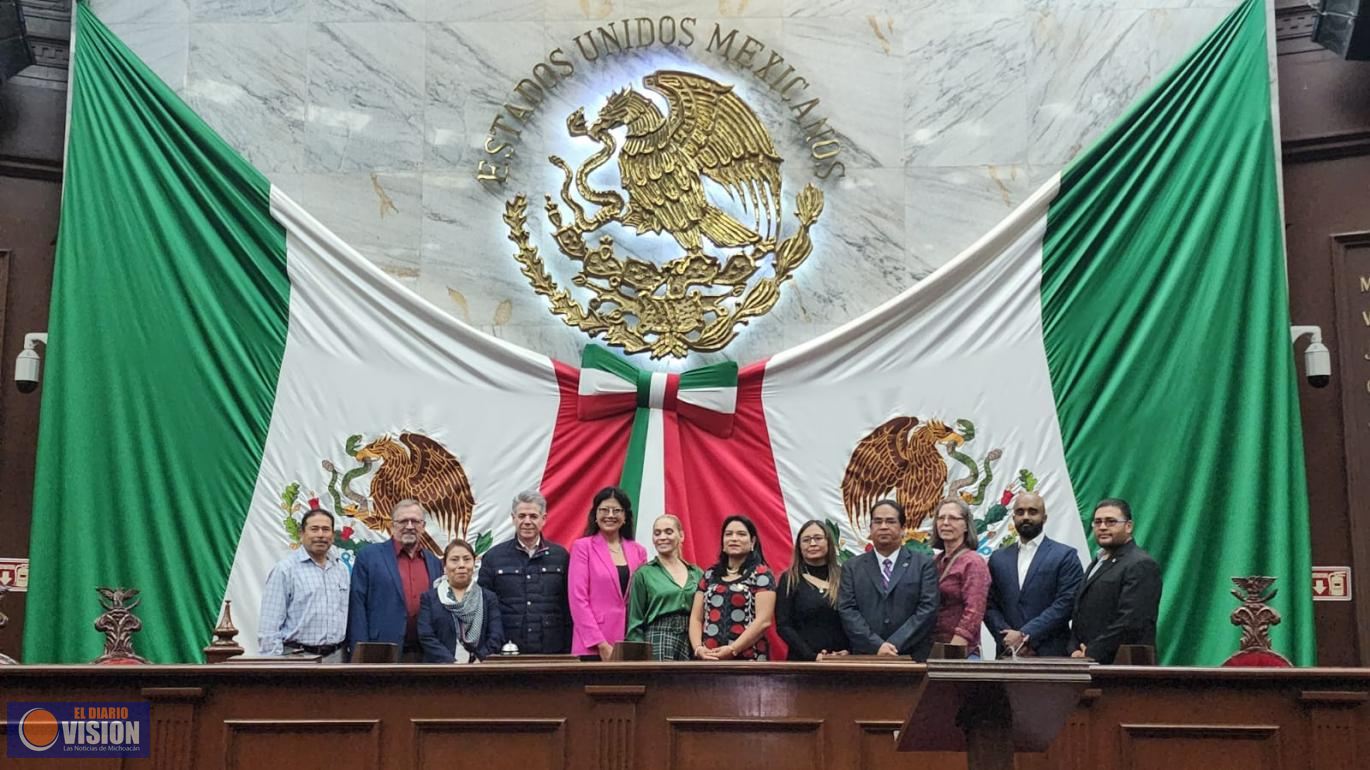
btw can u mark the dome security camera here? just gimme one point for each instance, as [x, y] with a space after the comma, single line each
[1317, 360]
[28, 367]
[1317, 365]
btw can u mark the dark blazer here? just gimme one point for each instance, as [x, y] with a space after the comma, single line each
[1041, 608]
[375, 607]
[438, 629]
[903, 615]
[532, 595]
[1118, 604]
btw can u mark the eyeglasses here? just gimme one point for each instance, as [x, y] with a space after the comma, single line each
[811, 539]
[611, 511]
[406, 523]
[1109, 522]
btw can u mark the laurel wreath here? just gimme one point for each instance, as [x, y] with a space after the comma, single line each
[666, 310]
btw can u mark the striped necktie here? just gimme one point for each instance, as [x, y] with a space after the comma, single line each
[885, 572]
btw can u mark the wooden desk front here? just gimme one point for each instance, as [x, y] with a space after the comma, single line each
[711, 716]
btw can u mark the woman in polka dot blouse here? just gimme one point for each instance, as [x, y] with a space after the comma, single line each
[735, 602]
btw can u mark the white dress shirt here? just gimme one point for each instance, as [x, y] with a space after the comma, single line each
[1027, 549]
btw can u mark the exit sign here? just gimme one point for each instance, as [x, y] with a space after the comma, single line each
[1331, 584]
[14, 573]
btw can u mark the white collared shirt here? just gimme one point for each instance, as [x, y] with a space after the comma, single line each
[892, 560]
[1027, 549]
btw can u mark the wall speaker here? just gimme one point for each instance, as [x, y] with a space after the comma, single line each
[1343, 27]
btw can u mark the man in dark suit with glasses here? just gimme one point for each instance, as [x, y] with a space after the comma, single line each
[1120, 598]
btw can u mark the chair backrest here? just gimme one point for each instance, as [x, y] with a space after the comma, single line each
[1258, 659]
[375, 652]
[632, 651]
[942, 651]
[1135, 655]
[1255, 617]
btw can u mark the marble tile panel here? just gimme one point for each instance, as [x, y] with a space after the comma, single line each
[1047, 5]
[589, 11]
[113, 12]
[965, 99]
[472, 70]
[716, 9]
[948, 209]
[162, 47]
[859, 259]
[248, 10]
[379, 214]
[487, 10]
[367, 10]
[366, 86]
[1088, 65]
[842, 59]
[911, 11]
[1172, 33]
[1093, 64]
[406, 278]
[466, 248]
[248, 82]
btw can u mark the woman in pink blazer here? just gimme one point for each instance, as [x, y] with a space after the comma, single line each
[602, 562]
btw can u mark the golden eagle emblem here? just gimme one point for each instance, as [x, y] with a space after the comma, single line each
[408, 466]
[415, 466]
[899, 459]
[696, 301]
[709, 132]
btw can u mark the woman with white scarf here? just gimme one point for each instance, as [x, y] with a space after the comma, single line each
[458, 620]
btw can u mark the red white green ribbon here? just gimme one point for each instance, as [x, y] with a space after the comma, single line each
[705, 396]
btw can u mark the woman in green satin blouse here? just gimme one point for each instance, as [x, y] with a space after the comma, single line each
[662, 593]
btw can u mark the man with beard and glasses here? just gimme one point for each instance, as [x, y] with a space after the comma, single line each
[1120, 598]
[1032, 586]
[304, 604]
[388, 580]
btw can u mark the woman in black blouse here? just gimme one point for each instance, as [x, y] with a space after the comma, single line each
[806, 607]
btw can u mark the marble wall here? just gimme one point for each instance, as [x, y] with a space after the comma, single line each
[373, 114]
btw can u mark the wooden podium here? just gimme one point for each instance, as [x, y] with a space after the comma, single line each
[990, 709]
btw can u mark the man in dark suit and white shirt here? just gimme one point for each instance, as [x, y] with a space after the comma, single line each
[888, 597]
[1032, 586]
[1120, 598]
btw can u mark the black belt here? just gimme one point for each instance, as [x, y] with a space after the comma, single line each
[321, 649]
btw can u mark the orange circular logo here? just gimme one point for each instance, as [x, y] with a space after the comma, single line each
[38, 729]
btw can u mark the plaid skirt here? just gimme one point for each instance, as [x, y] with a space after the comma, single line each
[669, 637]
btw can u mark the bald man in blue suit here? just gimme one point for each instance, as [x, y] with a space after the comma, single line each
[1032, 586]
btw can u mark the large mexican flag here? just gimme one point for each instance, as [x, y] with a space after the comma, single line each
[218, 358]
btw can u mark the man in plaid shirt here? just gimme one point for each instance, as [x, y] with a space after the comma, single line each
[304, 605]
